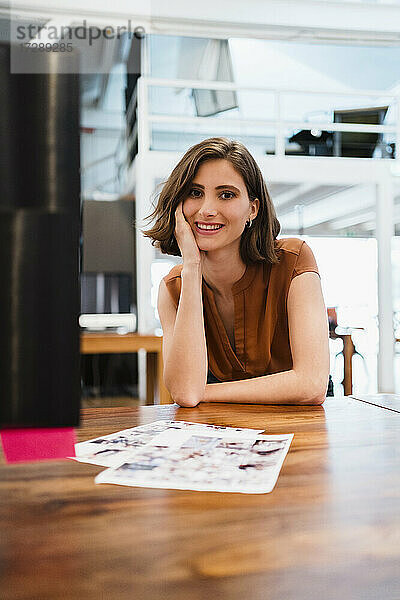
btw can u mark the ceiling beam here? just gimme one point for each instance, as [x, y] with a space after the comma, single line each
[307, 20]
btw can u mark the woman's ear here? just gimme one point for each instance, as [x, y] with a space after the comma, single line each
[255, 205]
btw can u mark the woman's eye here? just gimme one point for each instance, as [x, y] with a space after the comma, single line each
[195, 193]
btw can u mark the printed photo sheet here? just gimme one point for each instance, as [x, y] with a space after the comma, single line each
[205, 463]
[114, 449]
[189, 456]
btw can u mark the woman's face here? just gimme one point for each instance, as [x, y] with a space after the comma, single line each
[218, 196]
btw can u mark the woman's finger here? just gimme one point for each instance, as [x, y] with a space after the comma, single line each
[179, 209]
[179, 216]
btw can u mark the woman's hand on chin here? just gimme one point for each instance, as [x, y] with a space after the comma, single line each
[184, 235]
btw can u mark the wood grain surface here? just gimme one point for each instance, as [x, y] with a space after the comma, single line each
[329, 530]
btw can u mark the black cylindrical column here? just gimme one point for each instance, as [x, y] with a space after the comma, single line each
[39, 237]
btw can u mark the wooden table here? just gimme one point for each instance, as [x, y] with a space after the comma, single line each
[113, 343]
[329, 530]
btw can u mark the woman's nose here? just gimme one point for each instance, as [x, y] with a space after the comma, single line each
[208, 207]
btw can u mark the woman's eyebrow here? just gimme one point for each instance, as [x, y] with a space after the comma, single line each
[218, 187]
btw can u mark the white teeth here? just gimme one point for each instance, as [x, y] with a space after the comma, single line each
[208, 226]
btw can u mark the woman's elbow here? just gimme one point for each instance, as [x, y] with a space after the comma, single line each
[185, 395]
[186, 401]
[316, 400]
[314, 393]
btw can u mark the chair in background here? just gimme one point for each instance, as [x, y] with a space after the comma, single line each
[348, 351]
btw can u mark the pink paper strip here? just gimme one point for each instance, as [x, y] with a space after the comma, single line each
[30, 444]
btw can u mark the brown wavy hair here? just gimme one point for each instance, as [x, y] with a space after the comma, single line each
[257, 242]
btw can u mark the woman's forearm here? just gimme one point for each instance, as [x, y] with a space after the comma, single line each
[287, 387]
[185, 371]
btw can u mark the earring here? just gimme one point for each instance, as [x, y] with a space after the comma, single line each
[249, 223]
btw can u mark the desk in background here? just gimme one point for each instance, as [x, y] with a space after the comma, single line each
[113, 343]
[329, 530]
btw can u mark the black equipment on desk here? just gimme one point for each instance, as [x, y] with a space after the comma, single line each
[353, 144]
[39, 233]
[313, 143]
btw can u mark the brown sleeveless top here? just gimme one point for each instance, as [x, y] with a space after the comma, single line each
[261, 328]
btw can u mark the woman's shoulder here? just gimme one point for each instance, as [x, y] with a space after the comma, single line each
[295, 256]
[292, 245]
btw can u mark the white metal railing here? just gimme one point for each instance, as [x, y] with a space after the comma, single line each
[145, 119]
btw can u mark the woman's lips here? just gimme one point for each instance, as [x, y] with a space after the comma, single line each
[207, 231]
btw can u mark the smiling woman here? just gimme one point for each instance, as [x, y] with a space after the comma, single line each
[243, 317]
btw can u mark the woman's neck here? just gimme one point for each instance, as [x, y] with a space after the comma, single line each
[221, 273]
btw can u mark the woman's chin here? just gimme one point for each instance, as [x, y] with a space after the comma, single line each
[209, 244]
[205, 246]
